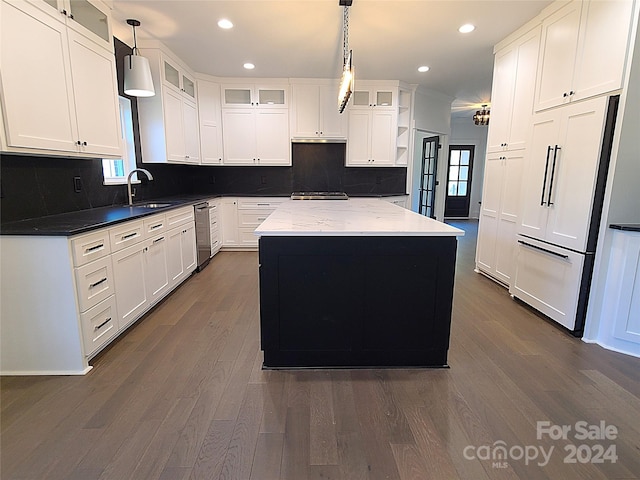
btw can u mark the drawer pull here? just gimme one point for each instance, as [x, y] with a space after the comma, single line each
[544, 250]
[98, 327]
[264, 204]
[130, 235]
[94, 248]
[158, 240]
[156, 226]
[93, 285]
[262, 219]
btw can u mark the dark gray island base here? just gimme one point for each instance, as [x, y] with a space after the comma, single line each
[356, 301]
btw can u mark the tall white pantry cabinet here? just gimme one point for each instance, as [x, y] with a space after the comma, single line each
[535, 70]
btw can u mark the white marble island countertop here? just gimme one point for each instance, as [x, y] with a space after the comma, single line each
[353, 217]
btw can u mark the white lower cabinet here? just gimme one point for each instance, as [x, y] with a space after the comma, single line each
[548, 278]
[131, 291]
[499, 213]
[65, 298]
[241, 216]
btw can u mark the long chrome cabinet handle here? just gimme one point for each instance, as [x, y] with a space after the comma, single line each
[94, 248]
[93, 285]
[98, 327]
[543, 249]
[546, 170]
[553, 172]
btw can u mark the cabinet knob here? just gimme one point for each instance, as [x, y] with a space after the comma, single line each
[565, 94]
[84, 143]
[571, 93]
[71, 16]
[63, 12]
[78, 142]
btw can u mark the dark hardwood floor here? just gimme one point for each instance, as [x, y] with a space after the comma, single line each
[182, 396]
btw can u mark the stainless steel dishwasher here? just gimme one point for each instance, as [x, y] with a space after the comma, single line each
[203, 234]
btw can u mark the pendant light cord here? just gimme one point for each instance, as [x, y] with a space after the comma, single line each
[345, 37]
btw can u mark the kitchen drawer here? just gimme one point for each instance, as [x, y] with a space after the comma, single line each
[548, 278]
[269, 203]
[99, 325]
[94, 283]
[90, 247]
[154, 225]
[180, 216]
[252, 218]
[126, 234]
[247, 237]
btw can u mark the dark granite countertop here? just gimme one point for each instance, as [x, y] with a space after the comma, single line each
[627, 227]
[74, 223]
[83, 221]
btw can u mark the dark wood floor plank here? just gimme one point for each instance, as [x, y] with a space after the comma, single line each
[295, 449]
[268, 457]
[214, 448]
[323, 442]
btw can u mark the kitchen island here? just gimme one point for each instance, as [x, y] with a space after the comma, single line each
[355, 283]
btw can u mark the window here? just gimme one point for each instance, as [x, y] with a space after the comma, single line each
[459, 163]
[115, 172]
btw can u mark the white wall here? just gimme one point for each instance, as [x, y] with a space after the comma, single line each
[465, 132]
[431, 116]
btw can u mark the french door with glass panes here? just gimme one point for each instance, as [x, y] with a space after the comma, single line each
[428, 177]
[459, 181]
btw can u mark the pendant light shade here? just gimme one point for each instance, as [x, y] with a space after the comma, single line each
[137, 73]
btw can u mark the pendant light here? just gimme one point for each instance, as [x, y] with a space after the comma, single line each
[346, 83]
[137, 73]
[482, 116]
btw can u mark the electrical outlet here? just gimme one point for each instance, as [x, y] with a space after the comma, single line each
[77, 184]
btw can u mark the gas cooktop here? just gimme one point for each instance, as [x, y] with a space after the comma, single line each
[319, 196]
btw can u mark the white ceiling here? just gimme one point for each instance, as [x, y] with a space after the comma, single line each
[303, 38]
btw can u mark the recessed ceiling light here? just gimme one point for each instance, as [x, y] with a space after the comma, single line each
[249, 66]
[423, 69]
[466, 28]
[226, 24]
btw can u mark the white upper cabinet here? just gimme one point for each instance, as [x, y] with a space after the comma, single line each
[374, 135]
[255, 120]
[314, 112]
[90, 18]
[583, 51]
[255, 95]
[512, 94]
[169, 126]
[210, 122]
[59, 87]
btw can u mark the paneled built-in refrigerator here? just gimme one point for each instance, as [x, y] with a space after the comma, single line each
[563, 189]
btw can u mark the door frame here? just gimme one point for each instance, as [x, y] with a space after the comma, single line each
[471, 148]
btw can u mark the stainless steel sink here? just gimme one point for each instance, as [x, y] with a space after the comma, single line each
[152, 205]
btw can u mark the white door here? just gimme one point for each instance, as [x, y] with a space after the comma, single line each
[191, 138]
[188, 248]
[383, 137]
[523, 91]
[239, 133]
[211, 144]
[358, 143]
[573, 173]
[603, 46]
[489, 212]
[210, 123]
[537, 174]
[272, 138]
[131, 290]
[558, 52]
[332, 123]
[504, 70]
[174, 125]
[37, 91]
[506, 238]
[175, 266]
[96, 96]
[306, 115]
[156, 273]
[229, 219]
